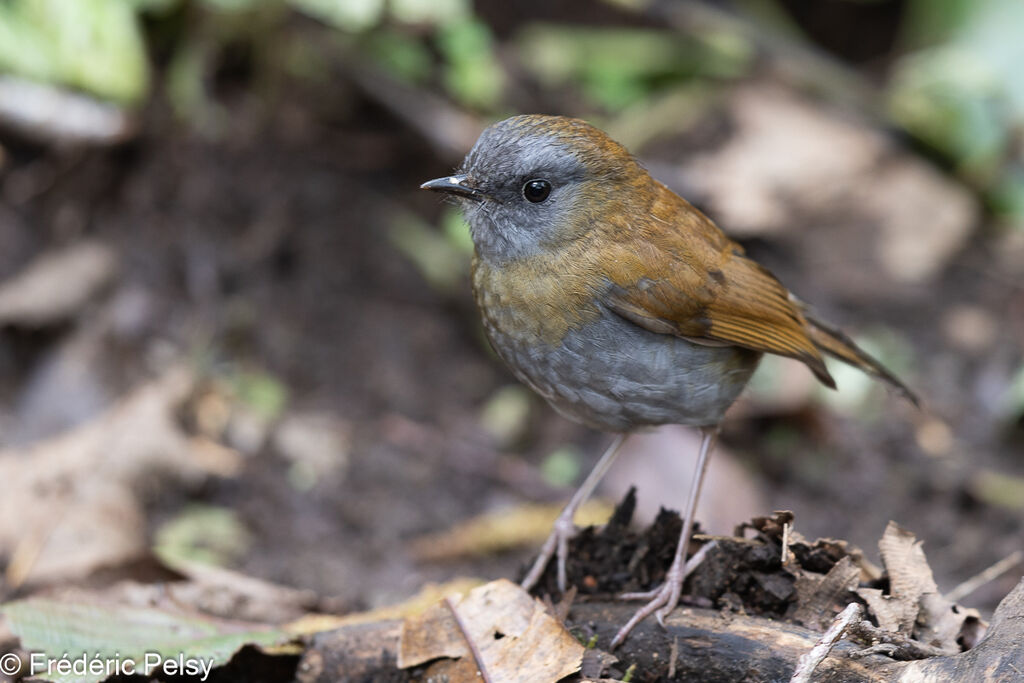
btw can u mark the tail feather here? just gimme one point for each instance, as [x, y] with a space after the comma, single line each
[835, 343]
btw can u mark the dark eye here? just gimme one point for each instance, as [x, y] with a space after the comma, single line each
[536, 190]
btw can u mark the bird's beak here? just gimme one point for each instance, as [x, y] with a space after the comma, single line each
[454, 184]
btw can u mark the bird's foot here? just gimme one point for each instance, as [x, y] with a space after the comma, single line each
[662, 600]
[556, 545]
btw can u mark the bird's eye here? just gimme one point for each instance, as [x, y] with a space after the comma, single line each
[536, 190]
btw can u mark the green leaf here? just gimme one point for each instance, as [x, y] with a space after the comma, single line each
[349, 15]
[933, 21]
[72, 630]
[473, 75]
[505, 414]
[963, 93]
[456, 229]
[402, 55]
[203, 533]
[617, 67]
[94, 45]
[442, 264]
[437, 12]
[948, 98]
[562, 467]
[997, 488]
[261, 392]
[1007, 196]
[233, 5]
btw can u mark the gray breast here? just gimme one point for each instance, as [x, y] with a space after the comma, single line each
[614, 375]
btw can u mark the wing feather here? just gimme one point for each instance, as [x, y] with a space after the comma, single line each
[699, 284]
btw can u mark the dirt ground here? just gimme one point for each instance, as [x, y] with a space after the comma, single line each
[269, 248]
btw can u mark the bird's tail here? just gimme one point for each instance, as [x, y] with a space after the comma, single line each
[835, 343]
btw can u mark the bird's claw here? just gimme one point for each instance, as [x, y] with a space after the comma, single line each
[665, 597]
[661, 605]
[557, 546]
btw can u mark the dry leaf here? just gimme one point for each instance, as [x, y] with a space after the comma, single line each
[233, 595]
[516, 638]
[56, 285]
[887, 611]
[915, 603]
[428, 597]
[817, 595]
[910, 577]
[493, 532]
[784, 146]
[70, 503]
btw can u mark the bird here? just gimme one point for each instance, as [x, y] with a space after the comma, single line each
[621, 304]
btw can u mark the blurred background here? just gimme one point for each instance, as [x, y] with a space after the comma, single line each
[232, 330]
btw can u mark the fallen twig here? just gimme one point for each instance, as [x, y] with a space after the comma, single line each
[892, 644]
[978, 580]
[808, 662]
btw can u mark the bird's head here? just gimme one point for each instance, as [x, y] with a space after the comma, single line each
[535, 182]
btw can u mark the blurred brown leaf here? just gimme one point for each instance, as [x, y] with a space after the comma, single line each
[493, 532]
[71, 503]
[511, 632]
[57, 284]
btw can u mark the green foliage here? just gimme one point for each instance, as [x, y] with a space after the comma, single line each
[998, 489]
[433, 12]
[963, 93]
[261, 393]
[1006, 197]
[117, 632]
[1012, 401]
[93, 45]
[456, 230]
[930, 22]
[472, 73]
[505, 414]
[443, 263]
[562, 467]
[205, 534]
[618, 67]
[949, 97]
[186, 90]
[404, 56]
[348, 15]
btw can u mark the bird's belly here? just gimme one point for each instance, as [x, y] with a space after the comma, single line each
[613, 375]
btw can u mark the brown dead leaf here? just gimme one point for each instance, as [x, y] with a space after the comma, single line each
[71, 503]
[887, 611]
[791, 157]
[493, 532]
[915, 605]
[821, 555]
[428, 597]
[233, 595]
[817, 596]
[772, 527]
[516, 639]
[453, 671]
[782, 146]
[56, 285]
[910, 577]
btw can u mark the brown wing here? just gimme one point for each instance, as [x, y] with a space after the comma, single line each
[701, 286]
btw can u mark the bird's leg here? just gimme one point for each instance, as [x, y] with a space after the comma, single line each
[664, 599]
[564, 528]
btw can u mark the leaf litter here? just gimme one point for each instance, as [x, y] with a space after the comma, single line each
[744, 573]
[457, 630]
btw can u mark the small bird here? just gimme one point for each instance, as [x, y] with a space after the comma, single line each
[620, 303]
